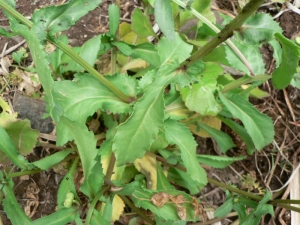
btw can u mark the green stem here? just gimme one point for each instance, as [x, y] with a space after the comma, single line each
[113, 59]
[217, 30]
[25, 172]
[244, 80]
[69, 51]
[227, 32]
[285, 201]
[93, 204]
[137, 210]
[15, 14]
[111, 166]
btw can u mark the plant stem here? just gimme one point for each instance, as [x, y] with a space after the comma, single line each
[25, 172]
[69, 51]
[258, 198]
[227, 32]
[93, 204]
[15, 14]
[216, 29]
[244, 80]
[111, 166]
[137, 210]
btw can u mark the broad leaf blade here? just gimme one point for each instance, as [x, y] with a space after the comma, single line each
[177, 133]
[241, 131]
[59, 18]
[92, 185]
[259, 28]
[133, 137]
[7, 146]
[22, 135]
[85, 141]
[224, 209]
[224, 140]
[114, 18]
[176, 50]
[39, 58]
[62, 216]
[140, 24]
[98, 219]
[262, 209]
[53, 159]
[12, 208]
[162, 181]
[252, 54]
[259, 126]
[67, 185]
[148, 52]
[218, 161]
[78, 100]
[200, 98]
[284, 74]
[88, 51]
[164, 18]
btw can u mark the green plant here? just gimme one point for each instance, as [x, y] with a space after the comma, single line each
[178, 87]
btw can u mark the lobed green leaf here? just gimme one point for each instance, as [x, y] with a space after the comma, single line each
[164, 18]
[62, 216]
[52, 160]
[85, 142]
[7, 146]
[114, 18]
[133, 137]
[54, 19]
[259, 28]
[177, 133]
[259, 126]
[12, 208]
[283, 75]
[78, 100]
[140, 24]
[218, 161]
[23, 137]
[224, 140]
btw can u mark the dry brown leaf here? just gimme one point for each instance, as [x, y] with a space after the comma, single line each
[198, 209]
[181, 211]
[179, 199]
[160, 199]
[5, 64]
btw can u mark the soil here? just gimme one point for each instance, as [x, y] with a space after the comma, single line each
[38, 192]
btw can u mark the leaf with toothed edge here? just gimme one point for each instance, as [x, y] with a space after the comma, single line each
[179, 134]
[133, 137]
[80, 99]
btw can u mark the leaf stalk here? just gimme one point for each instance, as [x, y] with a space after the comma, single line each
[226, 33]
[69, 51]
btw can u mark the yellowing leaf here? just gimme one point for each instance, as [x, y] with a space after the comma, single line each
[6, 113]
[147, 166]
[136, 63]
[117, 171]
[118, 208]
[208, 120]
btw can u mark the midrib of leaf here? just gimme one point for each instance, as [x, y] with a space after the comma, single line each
[171, 54]
[254, 128]
[242, 113]
[149, 110]
[21, 137]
